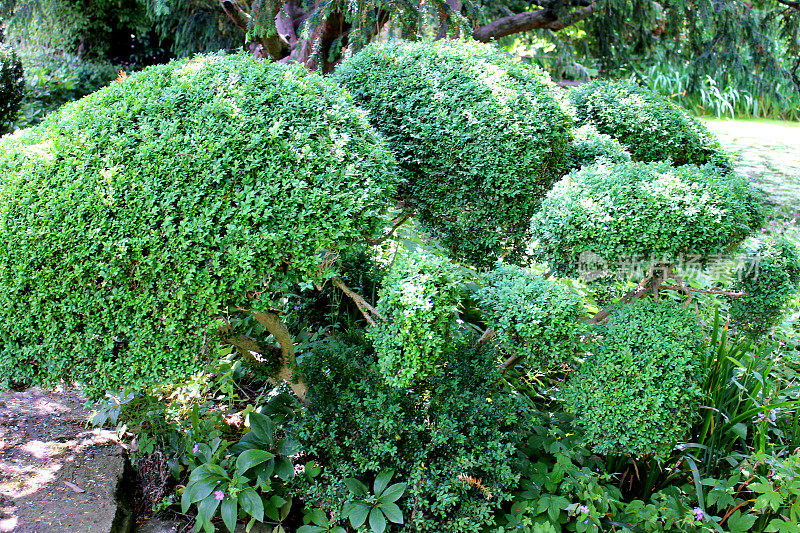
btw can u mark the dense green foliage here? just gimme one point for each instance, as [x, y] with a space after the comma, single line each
[651, 127]
[588, 145]
[418, 299]
[770, 273]
[628, 212]
[479, 138]
[535, 318]
[137, 217]
[434, 436]
[642, 372]
[12, 86]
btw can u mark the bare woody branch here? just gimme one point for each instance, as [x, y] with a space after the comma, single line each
[360, 302]
[288, 371]
[545, 18]
[399, 222]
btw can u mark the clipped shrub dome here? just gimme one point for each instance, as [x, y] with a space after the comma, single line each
[12, 87]
[640, 386]
[647, 124]
[136, 217]
[631, 211]
[479, 137]
[535, 318]
[419, 299]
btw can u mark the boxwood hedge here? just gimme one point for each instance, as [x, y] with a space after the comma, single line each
[135, 219]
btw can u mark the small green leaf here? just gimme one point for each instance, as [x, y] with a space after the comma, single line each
[739, 523]
[319, 517]
[310, 529]
[185, 503]
[377, 521]
[381, 481]
[392, 512]
[284, 468]
[229, 510]
[358, 514]
[200, 489]
[312, 470]
[262, 426]
[252, 504]
[207, 508]
[356, 487]
[250, 458]
[392, 493]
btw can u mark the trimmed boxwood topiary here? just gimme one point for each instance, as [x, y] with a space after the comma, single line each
[768, 277]
[535, 318]
[136, 218]
[479, 137]
[12, 87]
[647, 124]
[639, 388]
[632, 211]
[418, 299]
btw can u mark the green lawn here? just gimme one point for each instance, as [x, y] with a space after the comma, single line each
[767, 152]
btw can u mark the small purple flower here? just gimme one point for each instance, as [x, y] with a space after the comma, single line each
[583, 509]
[586, 521]
[219, 495]
[703, 322]
[195, 448]
[698, 514]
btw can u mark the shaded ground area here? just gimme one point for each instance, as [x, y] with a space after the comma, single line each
[768, 154]
[56, 475]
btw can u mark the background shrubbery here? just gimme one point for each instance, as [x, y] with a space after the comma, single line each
[54, 78]
[11, 87]
[535, 318]
[458, 471]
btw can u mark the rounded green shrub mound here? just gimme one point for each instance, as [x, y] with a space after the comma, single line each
[768, 276]
[12, 87]
[479, 137]
[455, 426]
[136, 218]
[535, 318]
[418, 300]
[647, 124]
[640, 386]
[589, 145]
[623, 213]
